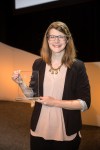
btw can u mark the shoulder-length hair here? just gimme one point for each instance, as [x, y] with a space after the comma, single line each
[70, 51]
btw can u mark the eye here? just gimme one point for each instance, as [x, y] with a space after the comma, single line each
[61, 37]
[56, 37]
[52, 36]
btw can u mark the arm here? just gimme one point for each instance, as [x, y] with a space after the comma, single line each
[82, 91]
[72, 104]
[66, 104]
[28, 92]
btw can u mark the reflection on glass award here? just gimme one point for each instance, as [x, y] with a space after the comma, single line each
[35, 83]
[28, 76]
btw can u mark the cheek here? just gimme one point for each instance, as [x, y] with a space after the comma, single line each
[64, 44]
[49, 42]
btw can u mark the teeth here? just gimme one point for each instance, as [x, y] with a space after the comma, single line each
[56, 46]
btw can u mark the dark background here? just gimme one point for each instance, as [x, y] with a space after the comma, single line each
[25, 28]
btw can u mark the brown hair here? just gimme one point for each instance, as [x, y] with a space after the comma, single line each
[70, 51]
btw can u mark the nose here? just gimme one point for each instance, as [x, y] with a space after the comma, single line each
[57, 38]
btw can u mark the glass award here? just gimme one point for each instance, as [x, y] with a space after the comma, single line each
[28, 76]
[35, 84]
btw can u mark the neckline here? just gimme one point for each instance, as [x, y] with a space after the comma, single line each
[55, 70]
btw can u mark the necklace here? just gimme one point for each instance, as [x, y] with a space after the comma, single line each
[55, 70]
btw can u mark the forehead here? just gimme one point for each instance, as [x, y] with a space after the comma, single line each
[55, 32]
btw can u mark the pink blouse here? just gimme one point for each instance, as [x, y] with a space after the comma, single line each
[51, 125]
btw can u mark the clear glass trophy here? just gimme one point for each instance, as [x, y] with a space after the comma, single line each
[27, 76]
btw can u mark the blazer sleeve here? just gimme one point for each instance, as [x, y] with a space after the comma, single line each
[83, 85]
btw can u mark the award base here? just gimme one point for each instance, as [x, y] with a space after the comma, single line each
[31, 101]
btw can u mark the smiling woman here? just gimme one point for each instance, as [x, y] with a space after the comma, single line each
[64, 91]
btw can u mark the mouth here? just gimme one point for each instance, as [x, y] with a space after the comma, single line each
[56, 45]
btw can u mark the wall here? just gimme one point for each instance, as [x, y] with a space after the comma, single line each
[92, 116]
[12, 59]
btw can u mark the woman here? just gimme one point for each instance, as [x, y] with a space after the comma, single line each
[64, 92]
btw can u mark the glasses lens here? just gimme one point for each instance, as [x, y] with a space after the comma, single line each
[54, 37]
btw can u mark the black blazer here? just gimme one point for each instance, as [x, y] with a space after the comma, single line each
[76, 87]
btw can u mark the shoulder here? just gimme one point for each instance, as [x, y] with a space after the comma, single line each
[79, 68]
[78, 64]
[38, 62]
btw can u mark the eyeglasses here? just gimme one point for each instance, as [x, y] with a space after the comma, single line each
[54, 37]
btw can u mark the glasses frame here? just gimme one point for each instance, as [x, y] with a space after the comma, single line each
[58, 37]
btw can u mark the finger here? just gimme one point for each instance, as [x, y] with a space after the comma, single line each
[41, 101]
[44, 103]
[38, 100]
[16, 74]
[17, 71]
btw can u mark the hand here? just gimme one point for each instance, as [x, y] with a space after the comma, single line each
[47, 100]
[17, 77]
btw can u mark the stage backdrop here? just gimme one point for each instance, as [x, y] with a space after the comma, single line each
[12, 59]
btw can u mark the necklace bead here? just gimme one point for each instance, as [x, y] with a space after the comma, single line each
[54, 70]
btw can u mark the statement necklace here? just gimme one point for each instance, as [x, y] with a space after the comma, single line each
[55, 70]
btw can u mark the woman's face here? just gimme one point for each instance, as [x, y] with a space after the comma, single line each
[56, 40]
